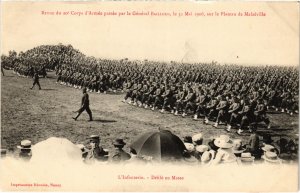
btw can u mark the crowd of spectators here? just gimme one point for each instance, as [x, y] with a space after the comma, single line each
[199, 149]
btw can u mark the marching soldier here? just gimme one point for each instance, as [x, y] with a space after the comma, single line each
[200, 104]
[167, 98]
[260, 113]
[234, 109]
[210, 110]
[188, 102]
[222, 109]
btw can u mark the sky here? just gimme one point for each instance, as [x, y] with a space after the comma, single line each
[272, 39]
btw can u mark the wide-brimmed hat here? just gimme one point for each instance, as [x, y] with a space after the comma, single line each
[271, 157]
[190, 147]
[247, 157]
[237, 146]
[119, 142]
[223, 141]
[197, 138]
[268, 148]
[94, 137]
[25, 144]
[207, 156]
[202, 148]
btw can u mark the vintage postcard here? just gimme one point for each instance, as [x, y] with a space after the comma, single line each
[159, 96]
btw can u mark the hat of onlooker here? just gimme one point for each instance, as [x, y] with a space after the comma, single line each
[211, 144]
[190, 147]
[223, 141]
[247, 157]
[202, 148]
[237, 146]
[207, 156]
[94, 137]
[268, 148]
[271, 157]
[25, 144]
[198, 138]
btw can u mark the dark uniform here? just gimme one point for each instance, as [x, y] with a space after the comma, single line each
[234, 108]
[85, 106]
[96, 151]
[260, 113]
[222, 109]
[36, 80]
[119, 154]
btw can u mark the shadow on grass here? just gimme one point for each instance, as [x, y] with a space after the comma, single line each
[104, 121]
[48, 89]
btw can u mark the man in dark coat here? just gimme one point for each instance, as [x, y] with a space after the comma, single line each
[119, 154]
[85, 105]
[36, 80]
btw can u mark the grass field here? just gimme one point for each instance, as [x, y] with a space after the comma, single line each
[39, 114]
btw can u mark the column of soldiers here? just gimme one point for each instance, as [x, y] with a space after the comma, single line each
[238, 96]
[237, 101]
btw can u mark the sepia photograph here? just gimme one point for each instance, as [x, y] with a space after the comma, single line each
[159, 96]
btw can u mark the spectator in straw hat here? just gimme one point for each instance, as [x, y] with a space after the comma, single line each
[267, 148]
[224, 153]
[211, 144]
[197, 139]
[119, 154]
[190, 148]
[267, 140]
[238, 147]
[207, 157]
[271, 158]
[25, 150]
[96, 151]
[200, 149]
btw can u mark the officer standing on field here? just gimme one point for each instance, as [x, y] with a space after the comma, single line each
[36, 80]
[85, 106]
